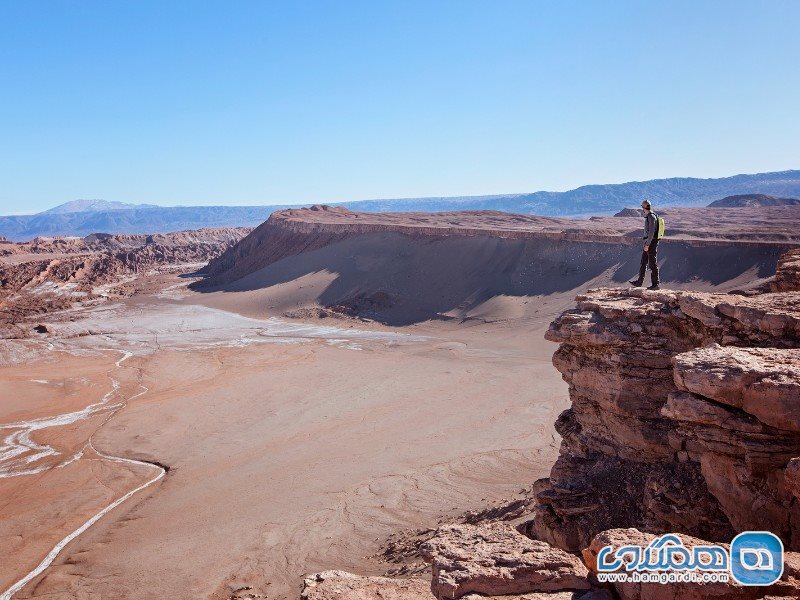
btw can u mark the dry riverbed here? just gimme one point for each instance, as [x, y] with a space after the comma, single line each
[285, 447]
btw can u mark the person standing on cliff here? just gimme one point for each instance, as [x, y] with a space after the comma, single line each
[649, 254]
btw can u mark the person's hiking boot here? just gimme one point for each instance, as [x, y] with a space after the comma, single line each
[655, 286]
[635, 283]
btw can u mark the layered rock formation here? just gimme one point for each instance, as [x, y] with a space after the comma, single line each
[471, 562]
[684, 416]
[787, 277]
[100, 258]
[496, 560]
[291, 232]
[50, 273]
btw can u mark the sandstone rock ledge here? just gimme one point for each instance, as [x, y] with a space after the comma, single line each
[471, 562]
[496, 560]
[685, 415]
[787, 278]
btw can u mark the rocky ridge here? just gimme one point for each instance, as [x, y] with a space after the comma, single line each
[745, 200]
[49, 274]
[684, 419]
[291, 232]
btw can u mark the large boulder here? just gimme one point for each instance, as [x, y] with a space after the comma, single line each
[763, 382]
[496, 560]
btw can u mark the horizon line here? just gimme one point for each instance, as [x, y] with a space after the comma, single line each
[151, 205]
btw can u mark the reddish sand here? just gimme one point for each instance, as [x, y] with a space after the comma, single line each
[288, 458]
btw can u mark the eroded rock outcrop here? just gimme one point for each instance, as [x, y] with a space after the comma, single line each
[685, 416]
[495, 560]
[50, 274]
[787, 277]
[763, 382]
[101, 258]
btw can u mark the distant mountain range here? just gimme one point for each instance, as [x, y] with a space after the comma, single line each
[746, 200]
[133, 220]
[79, 206]
[82, 217]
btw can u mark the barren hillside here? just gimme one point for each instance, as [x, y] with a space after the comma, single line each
[48, 274]
[407, 267]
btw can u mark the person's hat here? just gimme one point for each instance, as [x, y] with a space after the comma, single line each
[646, 204]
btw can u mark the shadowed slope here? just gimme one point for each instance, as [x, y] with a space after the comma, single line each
[401, 269]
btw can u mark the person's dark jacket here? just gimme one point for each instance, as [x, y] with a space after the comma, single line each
[650, 228]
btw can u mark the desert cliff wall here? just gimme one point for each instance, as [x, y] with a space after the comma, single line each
[685, 415]
[586, 247]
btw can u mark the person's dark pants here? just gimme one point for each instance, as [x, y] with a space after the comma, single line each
[650, 259]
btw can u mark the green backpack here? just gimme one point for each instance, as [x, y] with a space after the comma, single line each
[659, 226]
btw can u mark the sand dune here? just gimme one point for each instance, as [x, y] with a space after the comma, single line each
[398, 279]
[292, 232]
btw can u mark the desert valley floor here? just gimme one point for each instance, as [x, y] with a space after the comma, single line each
[290, 448]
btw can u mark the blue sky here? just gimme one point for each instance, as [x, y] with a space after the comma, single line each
[266, 102]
